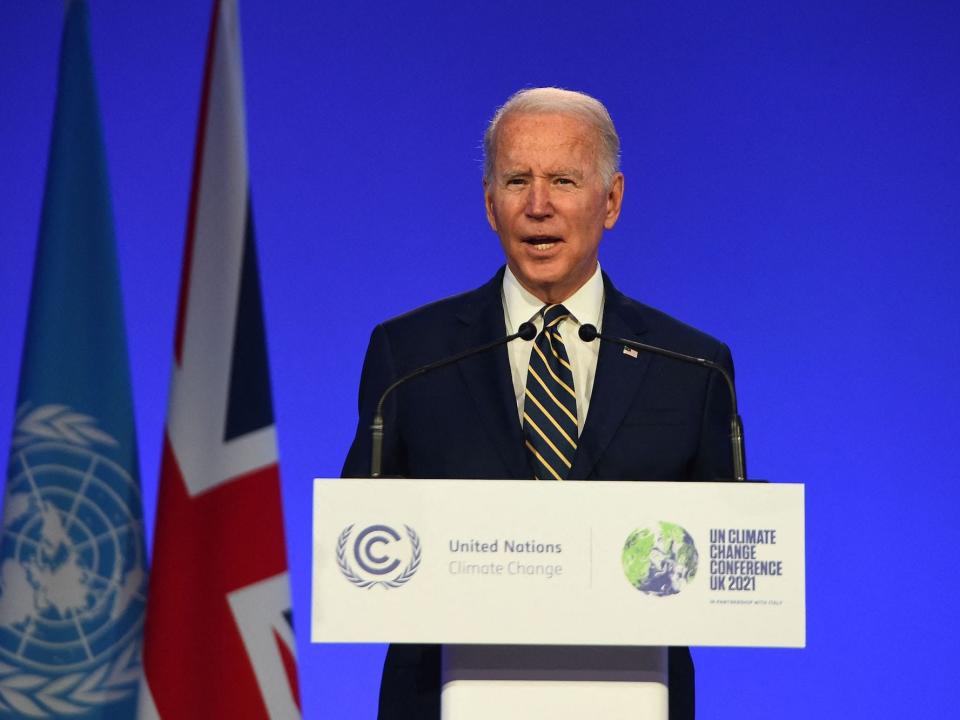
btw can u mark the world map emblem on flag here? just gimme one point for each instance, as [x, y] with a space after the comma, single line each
[72, 569]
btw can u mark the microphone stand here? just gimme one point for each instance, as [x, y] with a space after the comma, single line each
[589, 333]
[526, 331]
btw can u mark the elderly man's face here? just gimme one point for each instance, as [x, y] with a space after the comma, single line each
[547, 202]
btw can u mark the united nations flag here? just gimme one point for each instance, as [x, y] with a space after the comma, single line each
[72, 557]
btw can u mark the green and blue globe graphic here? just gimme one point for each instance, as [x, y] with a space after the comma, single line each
[660, 561]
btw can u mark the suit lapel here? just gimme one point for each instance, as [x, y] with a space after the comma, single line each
[617, 380]
[488, 379]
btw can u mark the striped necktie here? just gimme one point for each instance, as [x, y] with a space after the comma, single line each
[550, 405]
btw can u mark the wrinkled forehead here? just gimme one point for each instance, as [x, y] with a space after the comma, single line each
[553, 139]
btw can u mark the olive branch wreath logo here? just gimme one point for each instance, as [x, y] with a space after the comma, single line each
[42, 696]
[360, 582]
[58, 423]
[39, 695]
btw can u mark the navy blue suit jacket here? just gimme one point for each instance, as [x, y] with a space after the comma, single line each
[650, 418]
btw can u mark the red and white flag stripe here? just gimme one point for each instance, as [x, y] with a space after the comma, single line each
[218, 641]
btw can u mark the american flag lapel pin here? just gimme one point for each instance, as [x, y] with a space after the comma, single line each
[630, 351]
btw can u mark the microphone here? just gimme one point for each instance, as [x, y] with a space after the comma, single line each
[526, 331]
[589, 333]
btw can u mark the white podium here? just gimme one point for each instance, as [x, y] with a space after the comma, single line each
[557, 600]
[514, 682]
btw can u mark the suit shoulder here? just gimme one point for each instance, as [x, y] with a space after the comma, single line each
[437, 329]
[659, 328]
[443, 311]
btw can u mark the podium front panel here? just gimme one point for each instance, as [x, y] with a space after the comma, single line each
[564, 563]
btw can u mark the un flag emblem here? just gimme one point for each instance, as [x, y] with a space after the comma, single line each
[72, 569]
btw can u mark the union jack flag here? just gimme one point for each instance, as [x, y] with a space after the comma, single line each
[218, 641]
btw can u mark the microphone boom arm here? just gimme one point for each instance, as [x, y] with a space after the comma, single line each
[588, 333]
[526, 331]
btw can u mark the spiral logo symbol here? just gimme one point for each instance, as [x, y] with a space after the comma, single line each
[378, 555]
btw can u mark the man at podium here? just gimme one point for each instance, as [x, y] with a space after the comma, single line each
[558, 407]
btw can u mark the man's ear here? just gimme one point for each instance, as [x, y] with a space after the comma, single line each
[488, 204]
[614, 201]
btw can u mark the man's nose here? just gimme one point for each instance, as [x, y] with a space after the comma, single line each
[538, 199]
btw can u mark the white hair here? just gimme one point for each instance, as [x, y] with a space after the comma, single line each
[561, 102]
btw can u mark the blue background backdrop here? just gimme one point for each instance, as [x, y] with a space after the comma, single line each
[793, 176]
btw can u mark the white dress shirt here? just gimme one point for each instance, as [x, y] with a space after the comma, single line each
[585, 307]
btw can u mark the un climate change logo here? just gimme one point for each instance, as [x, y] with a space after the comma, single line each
[378, 555]
[660, 561]
[72, 570]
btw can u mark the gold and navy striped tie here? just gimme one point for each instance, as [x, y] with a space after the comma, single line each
[550, 405]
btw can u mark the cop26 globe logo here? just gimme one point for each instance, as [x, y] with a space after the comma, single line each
[660, 561]
[378, 555]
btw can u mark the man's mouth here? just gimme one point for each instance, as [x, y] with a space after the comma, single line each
[541, 242]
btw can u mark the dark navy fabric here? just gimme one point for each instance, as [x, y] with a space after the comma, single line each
[650, 418]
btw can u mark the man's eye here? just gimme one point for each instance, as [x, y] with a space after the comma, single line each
[564, 181]
[516, 181]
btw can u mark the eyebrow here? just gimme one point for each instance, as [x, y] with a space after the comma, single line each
[569, 172]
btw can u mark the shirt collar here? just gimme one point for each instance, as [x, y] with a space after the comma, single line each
[585, 305]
